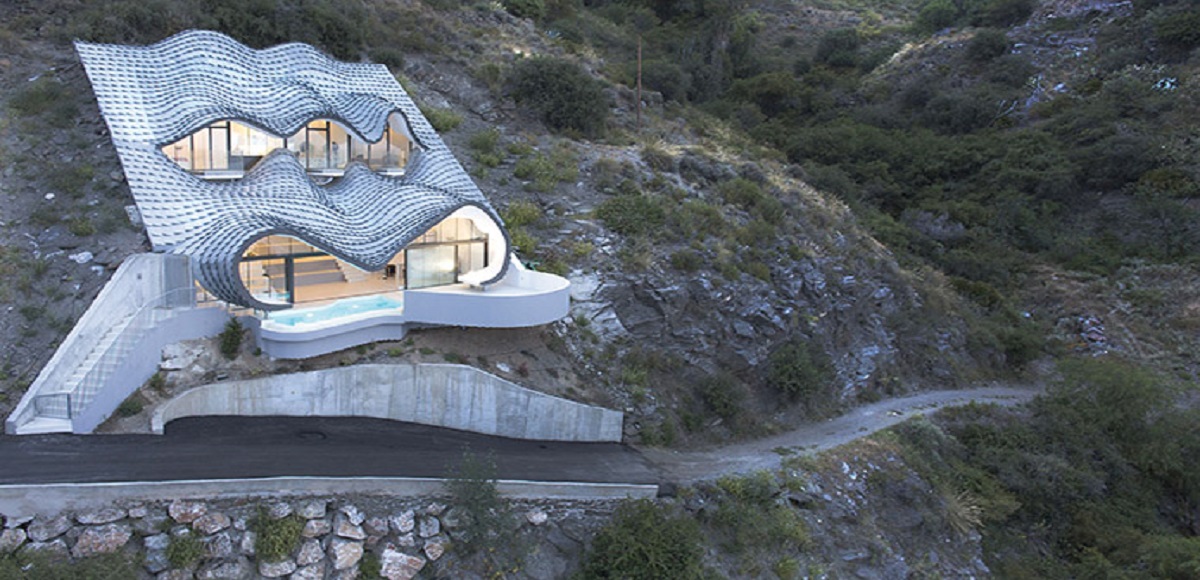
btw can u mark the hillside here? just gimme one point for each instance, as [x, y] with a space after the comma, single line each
[714, 287]
[820, 204]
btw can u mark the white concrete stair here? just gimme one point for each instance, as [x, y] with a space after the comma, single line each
[42, 425]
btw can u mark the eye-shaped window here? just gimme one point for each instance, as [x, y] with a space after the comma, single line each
[228, 149]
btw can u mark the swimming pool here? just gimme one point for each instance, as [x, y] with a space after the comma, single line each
[339, 309]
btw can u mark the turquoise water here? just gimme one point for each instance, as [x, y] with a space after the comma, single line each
[345, 307]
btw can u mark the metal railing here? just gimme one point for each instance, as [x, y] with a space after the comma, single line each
[75, 398]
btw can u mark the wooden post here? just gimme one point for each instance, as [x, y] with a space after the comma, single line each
[639, 85]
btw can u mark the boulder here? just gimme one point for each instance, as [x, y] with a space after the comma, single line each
[403, 523]
[345, 554]
[44, 529]
[209, 524]
[311, 510]
[156, 553]
[279, 510]
[104, 516]
[396, 565]
[103, 539]
[345, 527]
[376, 526]
[246, 546]
[312, 572]
[536, 517]
[156, 561]
[310, 553]
[186, 512]
[219, 546]
[54, 549]
[12, 539]
[151, 524]
[407, 540]
[430, 527]
[316, 528]
[434, 550]
[276, 569]
[224, 570]
[175, 575]
[356, 517]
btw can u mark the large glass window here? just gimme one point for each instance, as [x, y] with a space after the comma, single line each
[322, 146]
[285, 269]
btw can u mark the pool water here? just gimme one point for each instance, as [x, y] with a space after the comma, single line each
[339, 309]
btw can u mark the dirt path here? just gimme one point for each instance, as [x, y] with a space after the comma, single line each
[691, 466]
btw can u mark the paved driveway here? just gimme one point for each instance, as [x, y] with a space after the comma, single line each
[250, 447]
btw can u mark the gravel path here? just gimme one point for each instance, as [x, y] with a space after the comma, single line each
[692, 466]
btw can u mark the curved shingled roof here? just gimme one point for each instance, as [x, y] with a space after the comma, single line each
[154, 95]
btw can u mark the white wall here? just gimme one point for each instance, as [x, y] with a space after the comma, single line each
[454, 396]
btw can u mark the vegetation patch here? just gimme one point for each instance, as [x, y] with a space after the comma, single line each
[275, 539]
[565, 97]
[646, 541]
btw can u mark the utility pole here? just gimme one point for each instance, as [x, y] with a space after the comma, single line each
[639, 85]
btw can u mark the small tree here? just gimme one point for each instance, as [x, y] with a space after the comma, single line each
[562, 93]
[231, 338]
[486, 515]
[645, 541]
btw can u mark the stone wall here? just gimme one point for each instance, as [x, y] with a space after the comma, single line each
[339, 538]
[444, 395]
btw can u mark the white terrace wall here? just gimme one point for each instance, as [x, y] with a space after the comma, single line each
[141, 280]
[454, 396]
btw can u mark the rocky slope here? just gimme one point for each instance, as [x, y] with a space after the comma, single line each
[644, 331]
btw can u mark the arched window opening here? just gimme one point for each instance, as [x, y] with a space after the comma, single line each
[228, 149]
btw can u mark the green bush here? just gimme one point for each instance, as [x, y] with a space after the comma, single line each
[531, 9]
[696, 219]
[687, 260]
[46, 567]
[484, 147]
[275, 539]
[231, 338]
[184, 551]
[131, 406]
[800, 369]
[562, 94]
[748, 517]
[657, 159]
[545, 171]
[632, 214]
[522, 240]
[521, 213]
[486, 518]
[1178, 31]
[986, 45]
[389, 57]
[740, 192]
[646, 541]
[838, 48]
[443, 120]
[48, 98]
[81, 226]
[1004, 13]
[723, 396]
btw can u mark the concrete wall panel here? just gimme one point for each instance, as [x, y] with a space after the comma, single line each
[454, 396]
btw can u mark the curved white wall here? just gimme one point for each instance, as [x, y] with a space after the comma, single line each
[454, 396]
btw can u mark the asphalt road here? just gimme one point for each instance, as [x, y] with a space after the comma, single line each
[251, 447]
[768, 453]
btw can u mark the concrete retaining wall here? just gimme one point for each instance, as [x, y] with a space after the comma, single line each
[31, 500]
[142, 362]
[454, 396]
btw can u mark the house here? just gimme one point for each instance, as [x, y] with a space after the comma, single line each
[309, 197]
